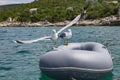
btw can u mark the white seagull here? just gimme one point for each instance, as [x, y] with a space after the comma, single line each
[54, 37]
[66, 36]
[55, 33]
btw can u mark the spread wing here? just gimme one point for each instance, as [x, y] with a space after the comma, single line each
[75, 20]
[32, 41]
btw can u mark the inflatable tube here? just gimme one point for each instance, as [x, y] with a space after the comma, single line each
[87, 60]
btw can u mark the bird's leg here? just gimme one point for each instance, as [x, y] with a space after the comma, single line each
[66, 42]
[54, 44]
[69, 41]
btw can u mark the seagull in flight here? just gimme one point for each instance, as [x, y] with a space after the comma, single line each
[66, 36]
[55, 33]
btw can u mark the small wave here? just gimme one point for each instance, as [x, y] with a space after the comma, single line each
[23, 51]
[2, 76]
[6, 68]
[16, 46]
[4, 31]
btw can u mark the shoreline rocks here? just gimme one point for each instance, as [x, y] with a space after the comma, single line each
[107, 21]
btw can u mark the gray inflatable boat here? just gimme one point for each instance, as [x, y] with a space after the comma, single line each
[87, 60]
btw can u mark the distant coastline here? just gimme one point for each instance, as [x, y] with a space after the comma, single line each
[107, 21]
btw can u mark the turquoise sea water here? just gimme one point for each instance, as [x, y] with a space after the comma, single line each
[21, 62]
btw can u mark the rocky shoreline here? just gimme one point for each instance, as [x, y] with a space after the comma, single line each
[107, 21]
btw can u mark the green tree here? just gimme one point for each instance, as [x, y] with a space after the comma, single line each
[24, 16]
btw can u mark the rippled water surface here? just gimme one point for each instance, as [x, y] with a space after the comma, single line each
[21, 62]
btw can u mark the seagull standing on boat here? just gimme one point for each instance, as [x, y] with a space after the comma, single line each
[66, 36]
[54, 37]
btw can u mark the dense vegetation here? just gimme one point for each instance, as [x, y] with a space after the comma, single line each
[58, 10]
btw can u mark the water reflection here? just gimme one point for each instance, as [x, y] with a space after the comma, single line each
[44, 77]
[109, 76]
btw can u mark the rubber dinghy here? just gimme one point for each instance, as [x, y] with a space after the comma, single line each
[87, 60]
